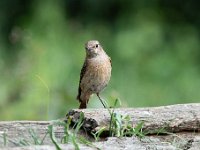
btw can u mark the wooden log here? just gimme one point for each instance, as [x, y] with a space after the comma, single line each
[174, 118]
[182, 121]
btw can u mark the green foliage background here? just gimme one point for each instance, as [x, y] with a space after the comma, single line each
[154, 46]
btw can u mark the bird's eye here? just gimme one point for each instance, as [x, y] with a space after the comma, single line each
[96, 45]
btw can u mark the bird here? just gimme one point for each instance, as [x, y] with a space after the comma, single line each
[95, 73]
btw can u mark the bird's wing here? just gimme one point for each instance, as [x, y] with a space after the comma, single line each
[83, 70]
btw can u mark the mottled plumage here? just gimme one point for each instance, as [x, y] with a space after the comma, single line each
[95, 73]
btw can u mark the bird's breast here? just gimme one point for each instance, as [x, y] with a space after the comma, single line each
[97, 75]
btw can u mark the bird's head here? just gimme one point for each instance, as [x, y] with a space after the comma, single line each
[93, 48]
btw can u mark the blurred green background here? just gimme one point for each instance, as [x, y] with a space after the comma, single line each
[154, 46]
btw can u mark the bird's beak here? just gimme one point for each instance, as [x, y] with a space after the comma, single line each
[91, 50]
[88, 49]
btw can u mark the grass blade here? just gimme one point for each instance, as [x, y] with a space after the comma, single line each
[4, 138]
[36, 139]
[53, 138]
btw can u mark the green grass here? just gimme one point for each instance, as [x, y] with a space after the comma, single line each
[120, 125]
[4, 138]
[98, 133]
[53, 138]
[71, 134]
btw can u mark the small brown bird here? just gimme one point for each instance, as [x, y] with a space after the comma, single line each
[95, 73]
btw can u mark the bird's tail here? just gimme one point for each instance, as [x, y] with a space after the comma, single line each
[79, 94]
[82, 105]
[83, 99]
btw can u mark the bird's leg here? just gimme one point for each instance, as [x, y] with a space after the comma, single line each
[101, 100]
